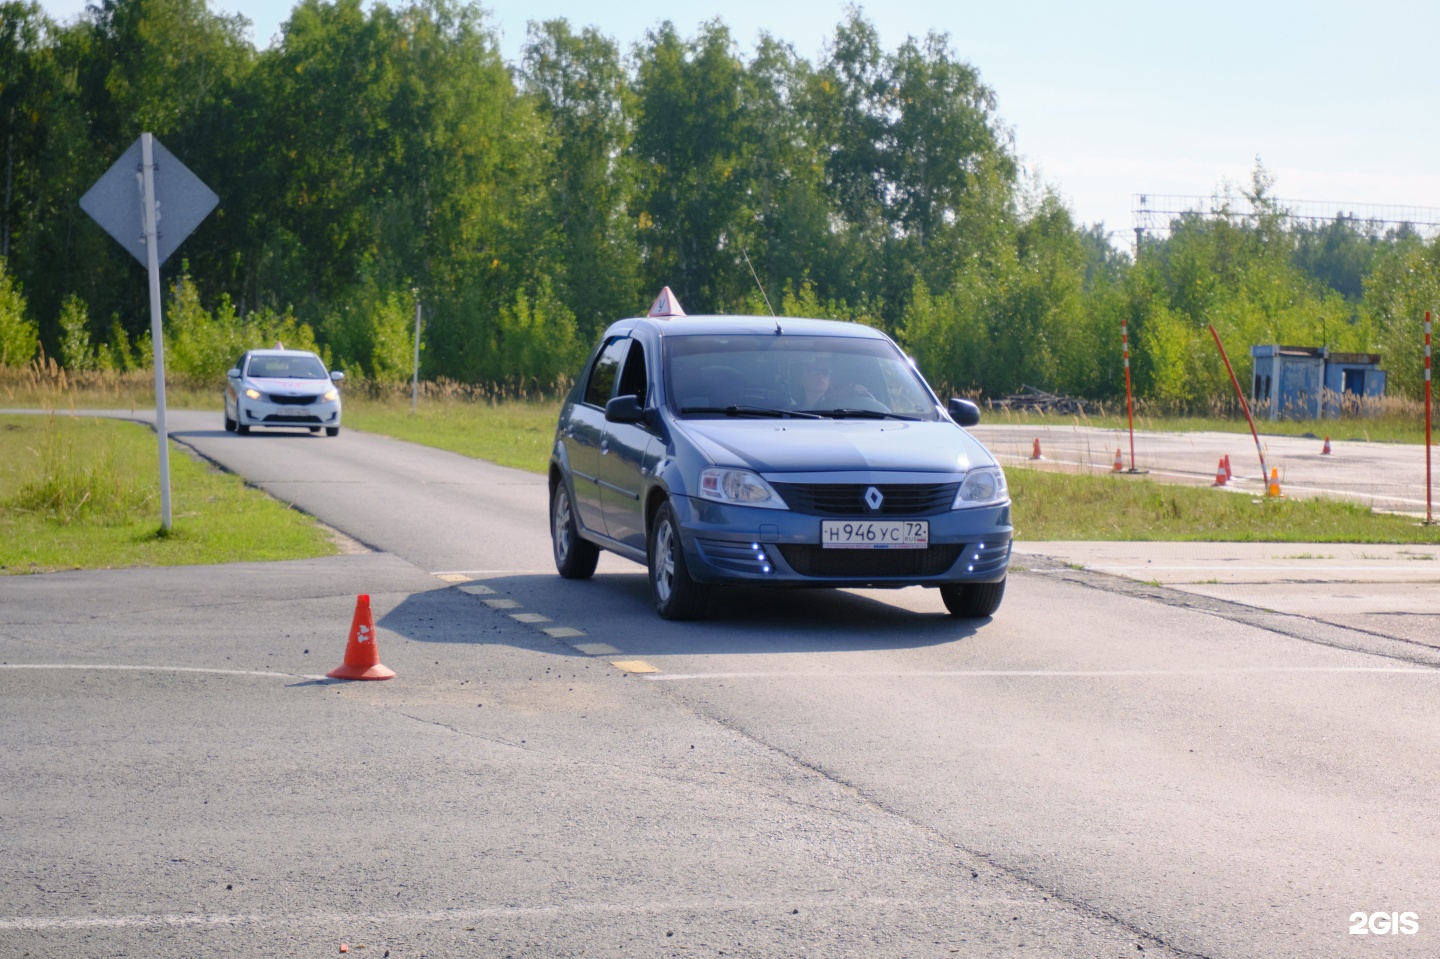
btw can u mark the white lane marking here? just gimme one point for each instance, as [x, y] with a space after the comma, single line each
[1047, 673]
[159, 669]
[455, 915]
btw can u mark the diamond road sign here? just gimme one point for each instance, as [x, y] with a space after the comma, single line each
[181, 202]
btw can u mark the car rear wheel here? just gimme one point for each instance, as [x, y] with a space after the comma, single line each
[575, 557]
[677, 596]
[973, 600]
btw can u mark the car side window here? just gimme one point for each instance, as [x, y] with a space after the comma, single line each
[632, 378]
[601, 385]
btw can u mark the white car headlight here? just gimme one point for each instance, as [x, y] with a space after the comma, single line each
[252, 392]
[982, 487]
[740, 487]
[330, 395]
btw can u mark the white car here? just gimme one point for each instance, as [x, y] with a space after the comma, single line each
[284, 388]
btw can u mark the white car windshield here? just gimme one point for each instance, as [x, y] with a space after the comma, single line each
[299, 367]
[765, 374]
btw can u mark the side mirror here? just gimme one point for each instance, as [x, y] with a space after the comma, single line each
[963, 412]
[234, 374]
[624, 409]
[336, 376]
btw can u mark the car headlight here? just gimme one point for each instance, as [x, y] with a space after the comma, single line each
[982, 487]
[330, 395]
[252, 392]
[740, 487]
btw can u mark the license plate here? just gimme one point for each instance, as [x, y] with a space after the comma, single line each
[875, 534]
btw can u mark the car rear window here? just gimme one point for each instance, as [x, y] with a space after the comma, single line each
[302, 367]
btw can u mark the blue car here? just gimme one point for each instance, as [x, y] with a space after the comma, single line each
[761, 451]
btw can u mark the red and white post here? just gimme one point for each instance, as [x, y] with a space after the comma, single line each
[1129, 398]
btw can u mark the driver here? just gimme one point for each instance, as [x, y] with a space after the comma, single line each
[820, 388]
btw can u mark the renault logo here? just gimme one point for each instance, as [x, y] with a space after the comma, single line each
[873, 498]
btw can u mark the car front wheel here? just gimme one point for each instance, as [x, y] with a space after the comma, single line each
[229, 423]
[332, 431]
[676, 595]
[575, 558]
[973, 600]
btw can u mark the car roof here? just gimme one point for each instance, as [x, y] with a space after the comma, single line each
[740, 325]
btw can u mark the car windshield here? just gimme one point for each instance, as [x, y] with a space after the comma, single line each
[766, 374]
[298, 367]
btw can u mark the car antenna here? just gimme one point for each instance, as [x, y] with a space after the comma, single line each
[762, 289]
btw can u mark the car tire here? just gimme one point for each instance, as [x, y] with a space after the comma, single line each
[229, 423]
[332, 431]
[973, 600]
[314, 429]
[677, 596]
[240, 427]
[575, 556]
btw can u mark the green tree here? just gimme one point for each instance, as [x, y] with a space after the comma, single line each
[18, 336]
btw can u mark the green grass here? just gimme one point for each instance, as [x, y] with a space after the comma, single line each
[515, 433]
[1063, 506]
[84, 494]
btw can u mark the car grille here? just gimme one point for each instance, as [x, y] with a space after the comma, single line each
[848, 499]
[821, 562]
[293, 419]
[292, 400]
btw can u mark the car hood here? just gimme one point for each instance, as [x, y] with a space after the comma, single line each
[807, 446]
[290, 387]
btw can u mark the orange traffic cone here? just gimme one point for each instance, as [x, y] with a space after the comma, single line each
[362, 656]
[1326, 450]
[1229, 473]
[1119, 464]
[1274, 489]
[1221, 478]
[1035, 451]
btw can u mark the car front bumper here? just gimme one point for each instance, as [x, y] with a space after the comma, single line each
[263, 413]
[731, 545]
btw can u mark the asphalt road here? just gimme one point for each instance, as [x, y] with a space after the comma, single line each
[1107, 768]
[1386, 476]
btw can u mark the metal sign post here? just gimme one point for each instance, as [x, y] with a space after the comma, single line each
[151, 215]
[1429, 510]
[415, 376]
[131, 192]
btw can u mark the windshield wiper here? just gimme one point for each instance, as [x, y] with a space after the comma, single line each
[750, 411]
[843, 412]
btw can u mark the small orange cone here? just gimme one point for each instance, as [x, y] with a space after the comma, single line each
[362, 656]
[1221, 477]
[1274, 489]
[1119, 464]
[1035, 451]
[1326, 450]
[1229, 473]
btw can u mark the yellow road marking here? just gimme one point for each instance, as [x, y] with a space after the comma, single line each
[634, 666]
[453, 577]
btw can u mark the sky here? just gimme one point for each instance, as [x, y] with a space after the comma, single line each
[1109, 99]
